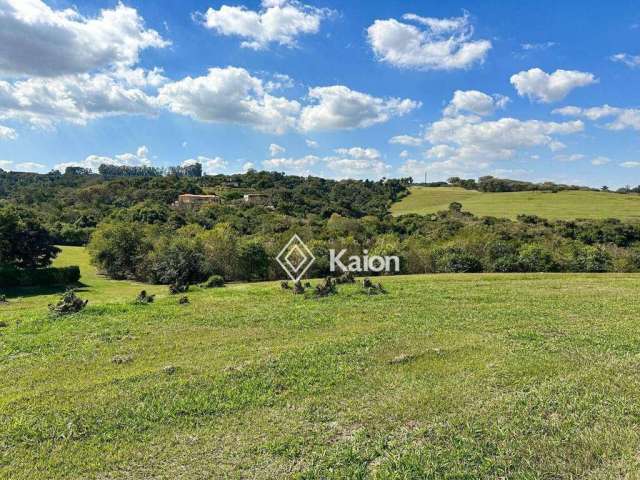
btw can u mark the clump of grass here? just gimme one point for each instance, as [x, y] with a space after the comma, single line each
[122, 359]
[3, 299]
[183, 300]
[3, 324]
[298, 288]
[346, 277]
[69, 303]
[176, 288]
[371, 288]
[144, 299]
[326, 288]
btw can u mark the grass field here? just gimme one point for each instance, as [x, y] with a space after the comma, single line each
[562, 205]
[451, 376]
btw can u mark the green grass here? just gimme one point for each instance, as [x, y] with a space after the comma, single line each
[449, 376]
[565, 205]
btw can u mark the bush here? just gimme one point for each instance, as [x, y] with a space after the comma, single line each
[591, 259]
[457, 260]
[214, 281]
[144, 299]
[15, 277]
[536, 258]
[118, 249]
[69, 303]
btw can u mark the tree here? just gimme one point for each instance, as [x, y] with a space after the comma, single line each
[253, 261]
[24, 242]
[118, 249]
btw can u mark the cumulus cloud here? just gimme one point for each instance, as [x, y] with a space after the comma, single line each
[210, 165]
[631, 61]
[620, 118]
[598, 161]
[298, 166]
[569, 157]
[357, 162]
[473, 101]
[311, 143]
[278, 21]
[7, 133]
[5, 164]
[547, 88]
[427, 43]
[30, 167]
[406, 140]
[630, 164]
[275, 149]
[246, 166]
[138, 159]
[230, 95]
[38, 40]
[338, 107]
[76, 99]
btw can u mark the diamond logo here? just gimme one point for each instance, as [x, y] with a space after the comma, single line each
[295, 258]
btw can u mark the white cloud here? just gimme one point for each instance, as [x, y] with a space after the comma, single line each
[138, 159]
[357, 162]
[299, 166]
[631, 61]
[622, 118]
[38, 40]
[569, 157]
[312, 143]
[404, 154]
[230, 95]
[278, 21]
[30, 167]
[275, 149]
[5, 164]
[141, 78]
[437, 44]
[210, 166]
[76, 99]
[246, 166]
[598, 161]
[547, 88]
[537, 46]
[406, 140]
[473, 101]
[630, 164]
[338, 107]
[7, 133]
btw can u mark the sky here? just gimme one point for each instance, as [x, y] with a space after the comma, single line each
[535, 91]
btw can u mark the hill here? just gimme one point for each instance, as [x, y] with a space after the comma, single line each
[249, 381]
[564, 205]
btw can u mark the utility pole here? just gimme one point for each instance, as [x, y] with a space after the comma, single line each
[425, 177]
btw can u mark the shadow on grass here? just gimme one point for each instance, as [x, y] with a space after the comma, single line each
[24, 292]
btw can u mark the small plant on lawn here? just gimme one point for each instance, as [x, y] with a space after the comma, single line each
[143, 298]
[346, 277]
[371, 288]
[3, 299]
[326, 288]
[214, 281]
[298, 288]
[284, 285]
[69, 303]
[176, 288]
[183, 300]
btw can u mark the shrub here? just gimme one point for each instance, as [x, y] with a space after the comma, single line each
[214, 281]
[253, 261]
[536, 258]
[118, 249]
[177, 260]
[589, 258]
[144, 299]
[15, 277]
[69, 303]
[457, 260]
[176, 288]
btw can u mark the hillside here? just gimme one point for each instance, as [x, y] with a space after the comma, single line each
[249, 381]
[565, 205]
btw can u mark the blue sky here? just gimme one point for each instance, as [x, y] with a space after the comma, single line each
[544, 91]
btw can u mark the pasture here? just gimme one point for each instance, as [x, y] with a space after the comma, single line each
[447, 376]
[565, 205]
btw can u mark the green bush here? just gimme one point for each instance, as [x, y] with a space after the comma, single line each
[536, 258]
[15, 277]
[457, 260]
[214, 281]
[587, 258]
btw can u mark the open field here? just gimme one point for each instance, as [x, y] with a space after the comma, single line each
[566, 205]
[448, 376]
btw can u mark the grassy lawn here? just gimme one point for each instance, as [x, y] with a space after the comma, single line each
[561, 205]
[448, 376]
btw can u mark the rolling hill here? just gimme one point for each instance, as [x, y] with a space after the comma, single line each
[564, 205]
